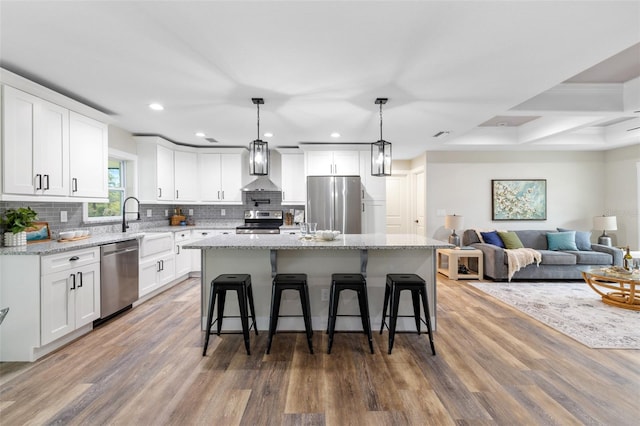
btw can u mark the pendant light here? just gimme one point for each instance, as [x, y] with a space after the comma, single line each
[381, 150]
[258, 149]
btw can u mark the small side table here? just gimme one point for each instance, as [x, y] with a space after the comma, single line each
[453, 257]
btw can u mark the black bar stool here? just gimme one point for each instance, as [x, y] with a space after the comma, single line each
[357, 283]
[240, 283]
[418, 287]
[290, 282]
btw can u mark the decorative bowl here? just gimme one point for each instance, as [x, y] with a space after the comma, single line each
[327, 235]
[66, 235]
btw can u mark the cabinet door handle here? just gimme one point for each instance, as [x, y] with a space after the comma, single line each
[162, 265]
[159, 192]
[47, 181]
[158, 266]
[74, 185]
[177, 249]
[283, 197]
[73, 258]
[362, 207]
[39, 179]
[223, 195]
[218, 195]
[80, 279]
[73, 281]
[177, 194]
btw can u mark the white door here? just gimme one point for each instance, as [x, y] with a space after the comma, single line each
[165, 173]
[88, 152]
[231, 178]
[397, 204]
[186, 175]
[87, 294]
[57, 306]
[419, 197]
[17, 128]
[51, 148]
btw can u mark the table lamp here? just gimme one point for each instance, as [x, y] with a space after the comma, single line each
[606, 223]
[454, 222]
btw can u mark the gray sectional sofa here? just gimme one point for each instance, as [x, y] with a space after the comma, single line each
[555, 265]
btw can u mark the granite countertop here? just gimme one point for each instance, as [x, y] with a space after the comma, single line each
[54, 246]
[295, 242]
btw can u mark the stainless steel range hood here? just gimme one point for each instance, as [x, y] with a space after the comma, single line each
[262, 183]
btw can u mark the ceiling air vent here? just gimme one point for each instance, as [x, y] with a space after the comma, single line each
[211, 140]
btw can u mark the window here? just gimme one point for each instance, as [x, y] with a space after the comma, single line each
[121, 171]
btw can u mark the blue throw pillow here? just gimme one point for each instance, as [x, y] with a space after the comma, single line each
[583, 239]
[492, 238]
[562, 240]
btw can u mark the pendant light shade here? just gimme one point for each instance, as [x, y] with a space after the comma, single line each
[258, 149]
[381, 150]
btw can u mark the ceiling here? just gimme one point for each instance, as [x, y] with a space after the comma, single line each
[488, 75]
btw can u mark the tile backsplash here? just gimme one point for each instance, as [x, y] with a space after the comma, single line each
[51, 211]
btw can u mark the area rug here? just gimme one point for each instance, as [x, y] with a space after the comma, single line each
[572, 308]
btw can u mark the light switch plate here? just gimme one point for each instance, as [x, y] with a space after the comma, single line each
[190, 212]
[149, 213]
[63, 216]
[223, 212]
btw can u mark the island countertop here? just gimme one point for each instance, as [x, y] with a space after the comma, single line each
[295, 242]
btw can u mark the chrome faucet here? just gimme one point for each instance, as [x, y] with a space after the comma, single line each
[124, 213]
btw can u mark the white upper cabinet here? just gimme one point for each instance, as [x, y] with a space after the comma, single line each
[186, 175]
[165, 177]
[89, 150]
[220, 177]
[35, 135]
[339, 163]
[155, 170]
[294, 188]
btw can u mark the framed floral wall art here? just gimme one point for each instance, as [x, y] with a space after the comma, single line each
[514, 199]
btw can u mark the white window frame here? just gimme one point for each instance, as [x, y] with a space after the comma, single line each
[130, 182]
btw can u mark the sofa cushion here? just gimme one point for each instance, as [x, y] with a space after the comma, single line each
[583, 239]
[510, 240]
[562, 240]
[492, 238]
[592, 258]
[550, 257]
[535, 239]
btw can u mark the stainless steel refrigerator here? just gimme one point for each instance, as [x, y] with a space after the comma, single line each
[335, 203]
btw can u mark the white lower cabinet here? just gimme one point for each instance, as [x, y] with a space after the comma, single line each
[70, 292]
[157, 262]
[183, 257]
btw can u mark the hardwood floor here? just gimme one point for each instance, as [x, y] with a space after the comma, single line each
[494, 366]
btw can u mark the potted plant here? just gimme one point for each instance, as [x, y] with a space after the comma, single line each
[15, 221]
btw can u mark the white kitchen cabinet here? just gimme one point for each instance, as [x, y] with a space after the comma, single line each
[338, 163]
[374, 216]
[220, 177]
[157, 262]
[36, 145]
[294, 183]
[186, 176]
[155, 170]
[70, 292]
[183, 257]
[88, 156]
[374, 188]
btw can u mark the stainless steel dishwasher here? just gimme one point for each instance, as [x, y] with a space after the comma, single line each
[118, 277]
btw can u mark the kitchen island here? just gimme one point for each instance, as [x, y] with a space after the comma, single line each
[263, 255]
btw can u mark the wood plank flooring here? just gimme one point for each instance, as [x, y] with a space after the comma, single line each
[495, 366]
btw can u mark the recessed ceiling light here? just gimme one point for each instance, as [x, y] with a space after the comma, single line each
[268, 135]
[200, 134]
[335, 135]
[156, 106]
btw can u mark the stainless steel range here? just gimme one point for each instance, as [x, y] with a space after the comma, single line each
[261, 222]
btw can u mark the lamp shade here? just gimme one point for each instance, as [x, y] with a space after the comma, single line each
[606, 223]
[381, 158]
[258, 158]
[453, 222]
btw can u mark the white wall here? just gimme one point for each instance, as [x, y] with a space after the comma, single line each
[622, 193]
[460, 183]
[121, 140]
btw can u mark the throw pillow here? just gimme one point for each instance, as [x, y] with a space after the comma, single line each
[510, 240]
[492, 238]
[562, 240]
[583, 239]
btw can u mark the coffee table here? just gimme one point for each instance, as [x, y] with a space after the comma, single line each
[625, 286]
